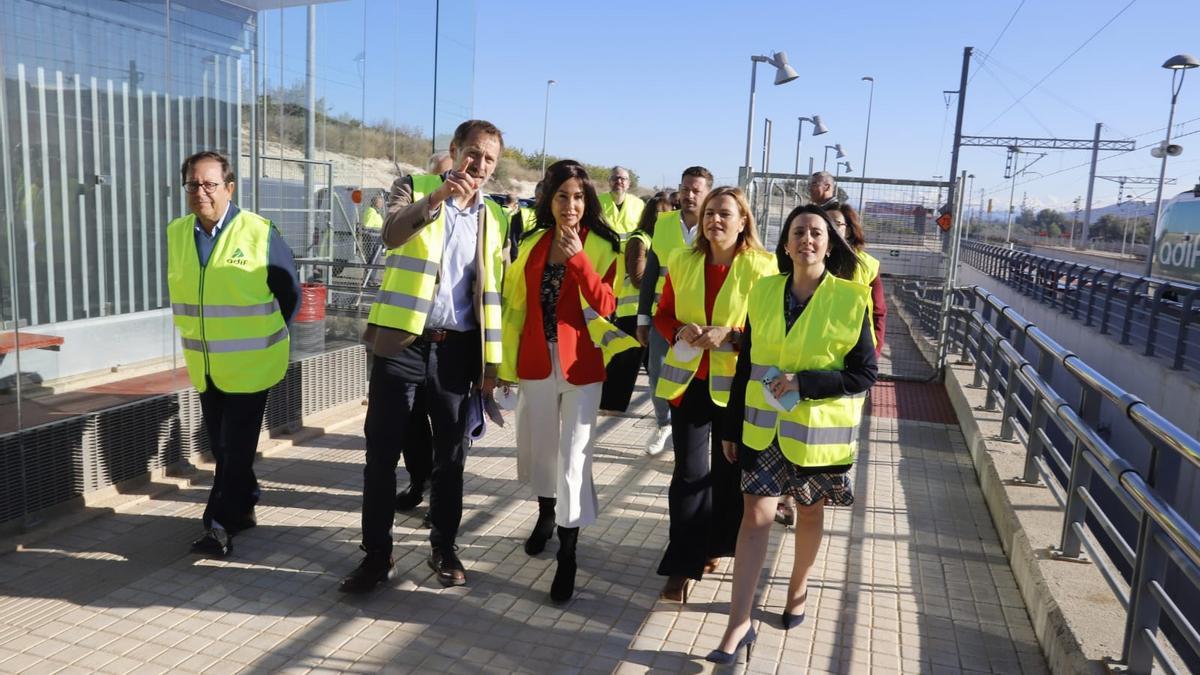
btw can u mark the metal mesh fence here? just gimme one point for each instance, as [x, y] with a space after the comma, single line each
[899, 219]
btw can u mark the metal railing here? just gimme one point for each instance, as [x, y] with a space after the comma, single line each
[1151, 314]
[1153, 567]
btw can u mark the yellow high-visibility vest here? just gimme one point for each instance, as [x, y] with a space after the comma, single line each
[603, 333]
[625, 219]
[729, 309]
[371, 220]
[864, 273]
[668, 236]
[411, 272]
[815, 433]
[627, 293]
[229, 321]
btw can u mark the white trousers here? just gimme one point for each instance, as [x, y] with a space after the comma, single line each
[555, 421]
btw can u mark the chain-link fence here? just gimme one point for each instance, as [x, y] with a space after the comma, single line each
[899, 219]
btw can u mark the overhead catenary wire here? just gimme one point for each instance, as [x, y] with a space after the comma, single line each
[1061, 63]
[995, 42]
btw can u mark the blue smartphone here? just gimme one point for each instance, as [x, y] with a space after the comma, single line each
[789, 399]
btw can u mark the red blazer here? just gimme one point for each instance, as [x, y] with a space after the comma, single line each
[580, 359]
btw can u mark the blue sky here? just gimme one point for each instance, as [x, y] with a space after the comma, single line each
[662, 85]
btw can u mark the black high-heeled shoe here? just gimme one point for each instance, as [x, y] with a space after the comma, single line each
[726, 658]
[790, 620]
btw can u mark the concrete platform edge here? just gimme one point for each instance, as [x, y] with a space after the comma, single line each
[1054, 624]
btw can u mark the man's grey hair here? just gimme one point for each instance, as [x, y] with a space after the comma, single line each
[436, 159]
[615, 169]
[823, 174]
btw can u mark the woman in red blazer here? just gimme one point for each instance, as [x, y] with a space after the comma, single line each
[562, 279]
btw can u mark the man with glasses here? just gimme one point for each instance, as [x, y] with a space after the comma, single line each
[621, 210]
[233, 290]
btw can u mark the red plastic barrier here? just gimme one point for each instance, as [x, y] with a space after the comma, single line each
[312, 302]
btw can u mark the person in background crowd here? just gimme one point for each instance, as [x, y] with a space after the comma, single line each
[234, 289]
[822, 190]
[524, 221]
[623, 368]
[620, 209]
[555, 339]
[434, 326]
[806, 361]
[439, 163]
[703, 310]
[674, 229]
[849, 225]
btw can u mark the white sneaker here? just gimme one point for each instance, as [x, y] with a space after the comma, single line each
[659, 440]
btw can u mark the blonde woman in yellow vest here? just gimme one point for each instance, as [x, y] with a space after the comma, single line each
[623, 368]
[556, 340]
[805, 363]
[233, 287]
[434, 330]
[701, 314]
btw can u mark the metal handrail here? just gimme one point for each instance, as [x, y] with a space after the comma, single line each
[1151, 313]
[995, 338]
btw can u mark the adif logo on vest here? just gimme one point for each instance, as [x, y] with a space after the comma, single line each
[238, 258]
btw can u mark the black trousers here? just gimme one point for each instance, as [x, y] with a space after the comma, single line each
[446, 372]
[233, 422]
[621, 373]
[418, 442]
[705, 496]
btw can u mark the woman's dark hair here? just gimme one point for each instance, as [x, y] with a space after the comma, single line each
[841, 260]
[656, 205]
[854, 231]
[593, 218]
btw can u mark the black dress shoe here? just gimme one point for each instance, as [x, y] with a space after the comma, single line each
[449, 568]
[375, 569]
[408, 498]
[215, 542]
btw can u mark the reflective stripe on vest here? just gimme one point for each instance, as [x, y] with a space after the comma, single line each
[603, 333]
[411, 272]
[230, 325]
[815, 433]
[729, 309]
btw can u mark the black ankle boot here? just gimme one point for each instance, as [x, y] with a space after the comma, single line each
[563, 586]
[543, 529]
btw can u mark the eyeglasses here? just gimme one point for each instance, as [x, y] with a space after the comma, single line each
[192, 187]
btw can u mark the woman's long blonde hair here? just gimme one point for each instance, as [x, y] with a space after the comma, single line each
[747, 238]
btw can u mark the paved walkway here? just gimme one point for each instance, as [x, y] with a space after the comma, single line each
[910, 579]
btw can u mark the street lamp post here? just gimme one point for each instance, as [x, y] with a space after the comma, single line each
[1178, 65]
[546, 123]
[783, 74]
[838, 168]
[866, 140]
[840, 154]
[818, 129]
